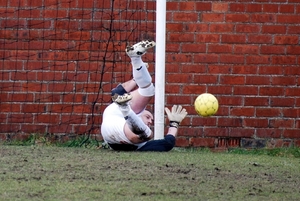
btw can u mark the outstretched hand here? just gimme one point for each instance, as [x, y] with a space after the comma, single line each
[177, 114]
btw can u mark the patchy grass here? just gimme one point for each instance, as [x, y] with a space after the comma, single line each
[68, 173]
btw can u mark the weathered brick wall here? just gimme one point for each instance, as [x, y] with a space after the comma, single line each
[247, 54]
[59, 60]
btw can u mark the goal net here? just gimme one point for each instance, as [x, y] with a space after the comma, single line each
[59, 60]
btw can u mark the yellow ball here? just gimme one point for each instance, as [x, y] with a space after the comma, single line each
[206, 105]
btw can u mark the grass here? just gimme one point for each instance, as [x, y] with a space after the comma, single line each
[67, 172]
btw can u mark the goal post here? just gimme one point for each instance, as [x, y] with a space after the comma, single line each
[160, 52]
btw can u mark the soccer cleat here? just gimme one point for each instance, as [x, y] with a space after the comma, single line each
[140, 48]
[122, 99]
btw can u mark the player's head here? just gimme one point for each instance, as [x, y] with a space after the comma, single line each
[147, 117]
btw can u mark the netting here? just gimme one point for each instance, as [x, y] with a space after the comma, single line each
[60, 59]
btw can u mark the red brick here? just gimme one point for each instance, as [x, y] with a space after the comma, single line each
[247, 28]
[218, 69]
[221, 28]
[39, 24]
[234, 38]
[286, 8]
[284, 80]
[260, 39]
[230, 100]
[291, 70]
[192, 27]
[175, 78]
[34, 87]
[213, 17]
[193, 48]
[181, 37]
[291, 133]
[60, 87]
[292, 91]
[288, 19]
[33, 108]
[208, 38]
[256, 101]
[245, 90]
[232, 79]
[284, 40]
[28, 13]
[263, 18]
[242, 111]
[193, 68]
[48, 118]
[237, 7]
[202, 142]
[219, 89]
[9, 107]
[182, 142]
[193, 89]
[256, 122]
[293, 30]
[207, 79]
[219, 7]
[185, 17]
[51, 3]
[18, 97]
[216, 132]
[281, 123]
[297, 8]
[258, 59]
[274, 29]
[185, 58]
[282, 102]
[244, 69]
[206, 58]
[246, 49]
[174, 27]
[258, 80]
[268, 133]
[272, 49]
[203, 121]
[203, 6]
[62, 128]
[293, 50]
[170, 6]
[214, 48]
[187, 6]
[270, 70]
[270, 8]
[254, 7]
[232, 59]
[290, 112]
[237, 18]
[284, 60]
[241, 132]
[271, 91]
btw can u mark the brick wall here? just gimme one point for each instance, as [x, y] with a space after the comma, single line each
[59, 60]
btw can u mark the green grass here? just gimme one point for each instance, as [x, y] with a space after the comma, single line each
[42, 171]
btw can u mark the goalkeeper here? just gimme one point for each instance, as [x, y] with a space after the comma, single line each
[126, 123]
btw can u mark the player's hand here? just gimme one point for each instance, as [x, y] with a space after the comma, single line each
[177, 113]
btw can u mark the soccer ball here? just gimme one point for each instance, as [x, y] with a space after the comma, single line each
[206, 105]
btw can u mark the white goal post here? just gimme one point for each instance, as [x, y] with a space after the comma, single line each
[160, 52]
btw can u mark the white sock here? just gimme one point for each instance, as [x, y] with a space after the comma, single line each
[136, 62]
[125, 109]
[140, 72]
